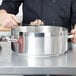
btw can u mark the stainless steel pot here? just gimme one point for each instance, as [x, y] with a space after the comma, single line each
[40, 40]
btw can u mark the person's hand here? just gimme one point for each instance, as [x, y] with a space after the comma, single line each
[73, 32]
[8, 20]
[37, 22]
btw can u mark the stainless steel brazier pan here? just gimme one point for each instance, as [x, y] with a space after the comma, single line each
[40, 40]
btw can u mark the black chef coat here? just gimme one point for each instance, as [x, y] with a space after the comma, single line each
[51, 12]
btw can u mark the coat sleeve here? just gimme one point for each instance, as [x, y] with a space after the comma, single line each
[11, 6]
[73, 12]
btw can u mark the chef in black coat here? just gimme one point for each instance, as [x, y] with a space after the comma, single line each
[51, 12]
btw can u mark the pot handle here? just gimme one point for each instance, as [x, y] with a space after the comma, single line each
[70, 36]
[11, 39]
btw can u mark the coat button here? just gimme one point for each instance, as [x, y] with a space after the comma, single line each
[53, 22]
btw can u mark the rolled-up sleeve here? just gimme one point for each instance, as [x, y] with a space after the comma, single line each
[73, 12]
[11, 6]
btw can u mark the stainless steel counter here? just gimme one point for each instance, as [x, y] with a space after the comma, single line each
[64, 64]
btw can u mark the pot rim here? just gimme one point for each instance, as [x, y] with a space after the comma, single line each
[42, 29]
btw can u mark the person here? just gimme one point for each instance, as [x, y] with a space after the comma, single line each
[51, 12]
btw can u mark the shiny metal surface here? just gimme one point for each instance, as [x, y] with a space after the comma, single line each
[5, 55]
[41, 29]
[42, 40]
[19, 65]
[6, 33]
[34, 44]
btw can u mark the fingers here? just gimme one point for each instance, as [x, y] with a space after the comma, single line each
[37, 22]
[12, 22]
[73, 32]
[16, 20]
[8, 20]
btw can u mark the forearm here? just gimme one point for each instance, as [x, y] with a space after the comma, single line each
[75, 26]
[3, 11]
